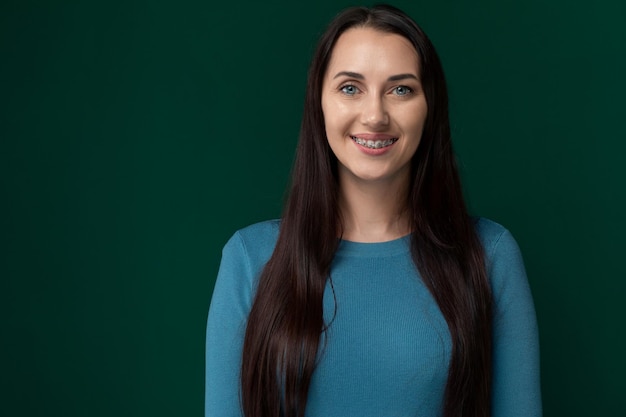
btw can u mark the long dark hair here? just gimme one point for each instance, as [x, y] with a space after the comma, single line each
[286, 321]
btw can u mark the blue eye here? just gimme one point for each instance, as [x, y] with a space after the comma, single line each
[349, 89]
[402, 90]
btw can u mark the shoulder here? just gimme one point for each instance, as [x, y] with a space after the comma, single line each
[259, 234]
[504, 262]
[255, 242]
[495, 238]
[243, 258]
[488, 231]
[267, 229]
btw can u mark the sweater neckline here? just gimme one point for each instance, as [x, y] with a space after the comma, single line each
[398, 246]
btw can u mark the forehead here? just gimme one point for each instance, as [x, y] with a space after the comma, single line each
[366, 50]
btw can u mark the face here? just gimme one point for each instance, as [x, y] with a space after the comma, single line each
[373, 104]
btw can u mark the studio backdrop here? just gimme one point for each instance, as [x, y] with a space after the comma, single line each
[136, 137]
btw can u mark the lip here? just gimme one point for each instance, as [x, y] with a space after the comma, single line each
[376, 137]
[373, 136]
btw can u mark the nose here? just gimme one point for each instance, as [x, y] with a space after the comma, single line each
[374, 112]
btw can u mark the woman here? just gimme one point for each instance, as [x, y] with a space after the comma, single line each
[376, 294]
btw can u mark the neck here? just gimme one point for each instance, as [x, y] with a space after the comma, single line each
[373, 211]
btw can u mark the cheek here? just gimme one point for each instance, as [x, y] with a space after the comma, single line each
[334, 118]
[327, 113]
[413, 123]
[418, 127]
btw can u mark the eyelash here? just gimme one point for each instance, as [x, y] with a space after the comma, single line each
[409, 90]
[343, 88]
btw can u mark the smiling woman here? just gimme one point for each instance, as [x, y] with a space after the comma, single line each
[376, 294]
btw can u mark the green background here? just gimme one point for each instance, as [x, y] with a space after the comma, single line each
[137, 137]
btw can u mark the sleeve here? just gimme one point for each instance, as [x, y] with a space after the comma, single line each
[226, 323]
[516, 383]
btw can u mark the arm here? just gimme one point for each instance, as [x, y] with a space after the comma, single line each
[228, 313]
[516, 384]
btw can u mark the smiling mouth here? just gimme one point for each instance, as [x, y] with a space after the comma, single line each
[374, 144]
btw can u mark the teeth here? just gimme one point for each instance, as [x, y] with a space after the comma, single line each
[374, 144]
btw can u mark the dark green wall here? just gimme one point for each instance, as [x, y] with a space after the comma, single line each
[136, 137]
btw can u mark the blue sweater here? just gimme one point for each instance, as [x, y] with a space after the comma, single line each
[388, 347]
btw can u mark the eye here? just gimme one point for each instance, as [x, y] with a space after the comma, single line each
[402, 90]
[349, 89]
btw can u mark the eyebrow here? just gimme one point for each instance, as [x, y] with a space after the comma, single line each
[402, 77]
[361, 77]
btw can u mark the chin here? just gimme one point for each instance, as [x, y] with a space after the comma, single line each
[372, 177]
